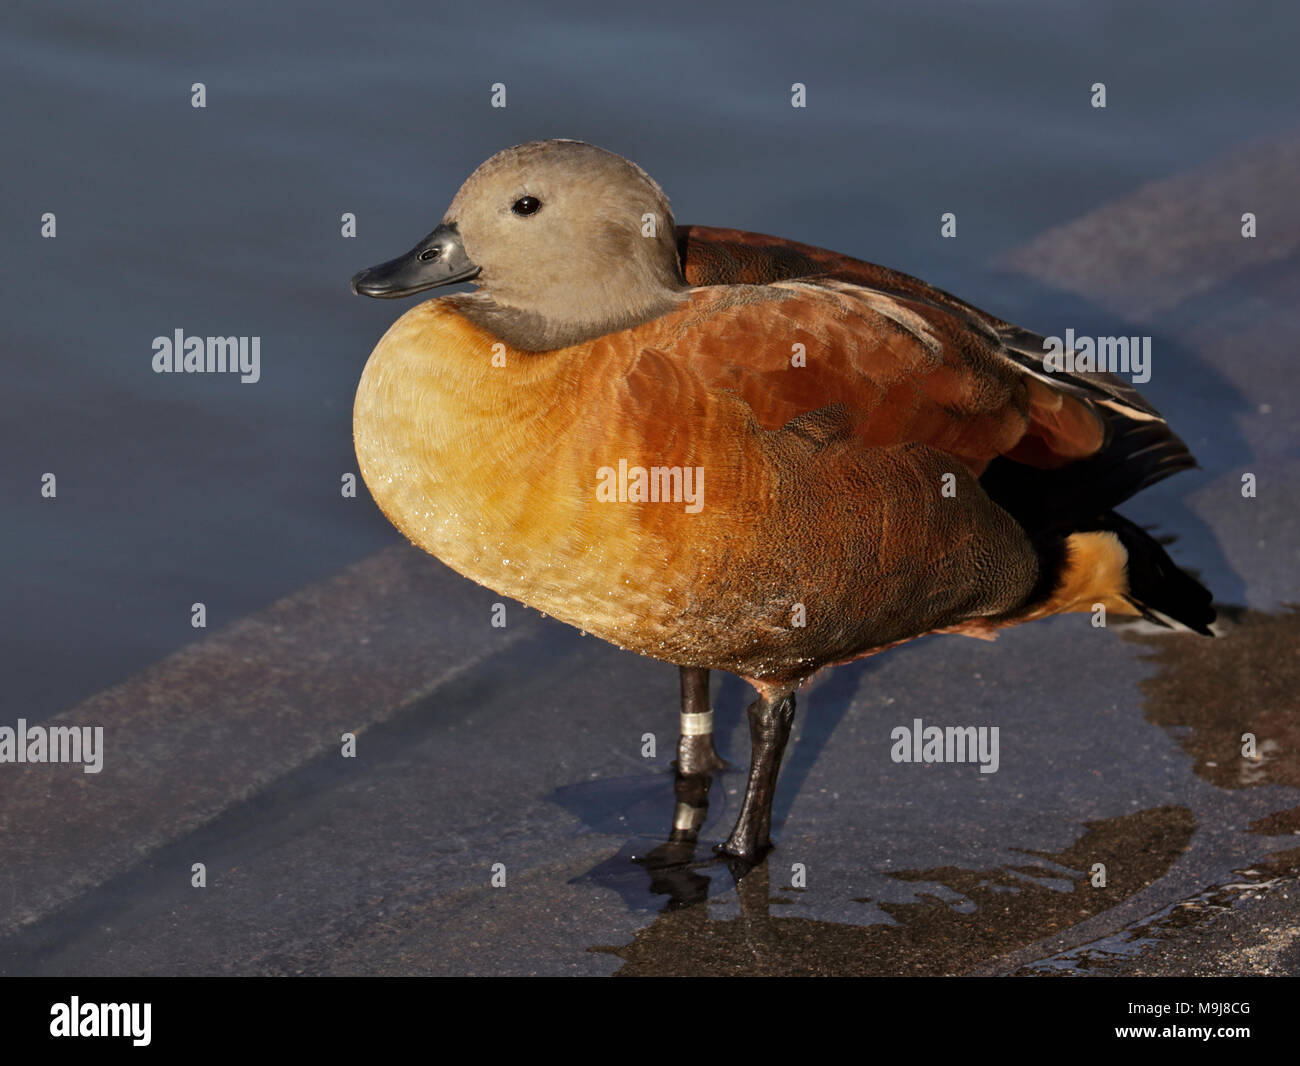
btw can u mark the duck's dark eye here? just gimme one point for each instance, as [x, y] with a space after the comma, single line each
[526, 205]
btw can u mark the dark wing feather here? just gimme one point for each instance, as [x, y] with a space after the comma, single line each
[1042, 490]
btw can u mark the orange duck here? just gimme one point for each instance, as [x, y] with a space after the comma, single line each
[734, 452]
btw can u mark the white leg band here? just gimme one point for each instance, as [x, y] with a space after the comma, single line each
[697, 725]
[687, 817]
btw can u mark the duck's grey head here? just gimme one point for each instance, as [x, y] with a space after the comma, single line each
[566, 240]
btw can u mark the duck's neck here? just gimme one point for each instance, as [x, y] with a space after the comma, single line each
[559, 320]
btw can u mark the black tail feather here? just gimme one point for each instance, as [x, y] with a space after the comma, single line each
[1137, 455]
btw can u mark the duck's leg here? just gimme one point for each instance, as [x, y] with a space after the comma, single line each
[692, 807]
[695, 751]
[770, 717]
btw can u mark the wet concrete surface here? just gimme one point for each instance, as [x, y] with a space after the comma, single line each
[1247, 928]
[523, 746]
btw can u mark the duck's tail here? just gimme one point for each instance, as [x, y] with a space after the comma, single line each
[1111, 561]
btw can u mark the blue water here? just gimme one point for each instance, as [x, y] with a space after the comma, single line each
[174, 489]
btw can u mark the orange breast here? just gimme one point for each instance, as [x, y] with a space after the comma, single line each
[498, 469]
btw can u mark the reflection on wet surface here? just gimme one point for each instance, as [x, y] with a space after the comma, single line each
[1246, 682]
[1206, 694]
[1000, 910]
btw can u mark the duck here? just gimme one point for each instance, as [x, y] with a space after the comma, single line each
[735, 452]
